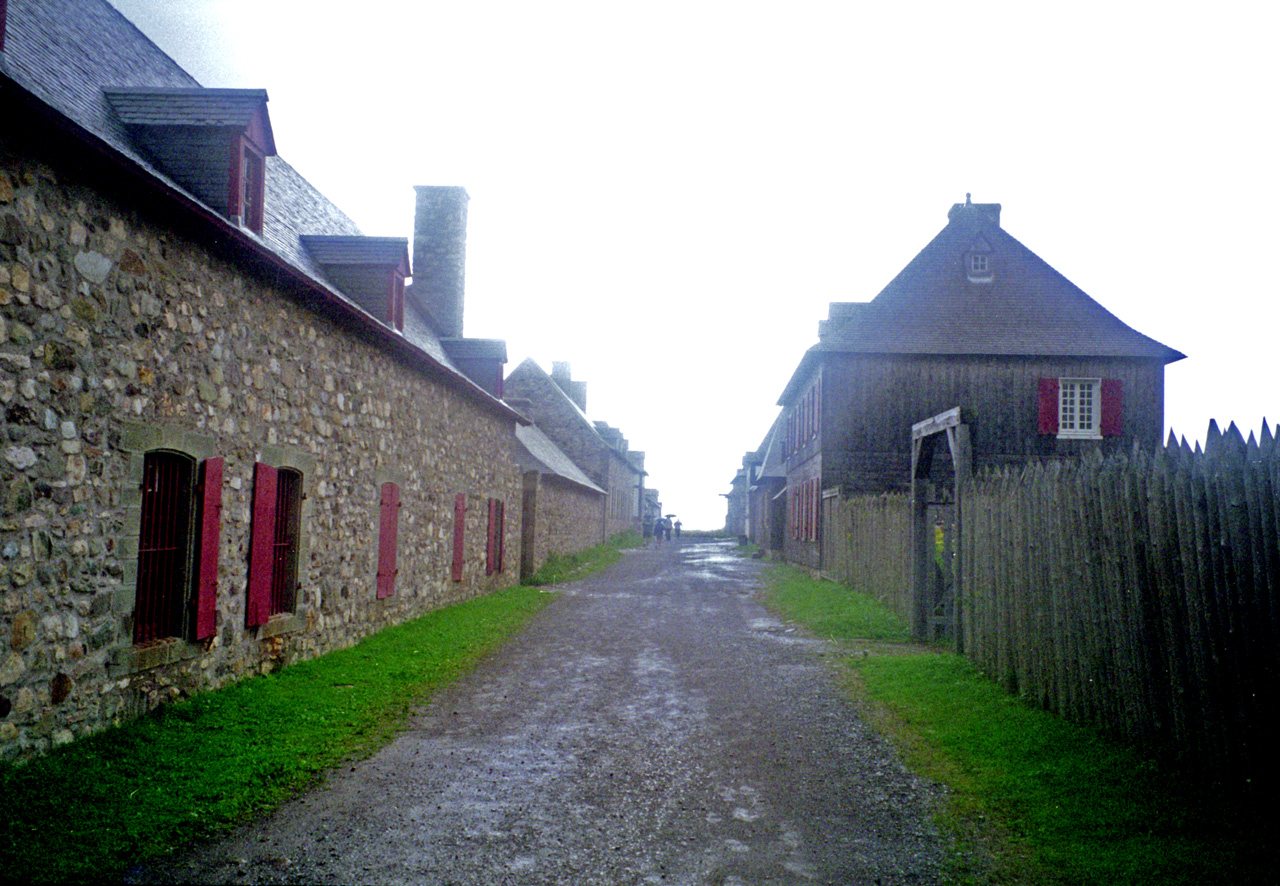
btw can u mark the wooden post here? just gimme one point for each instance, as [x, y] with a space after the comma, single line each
[923, 439]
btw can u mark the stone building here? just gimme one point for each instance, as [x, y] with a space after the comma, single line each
[557, 405]
[232, 436]
[561, 506]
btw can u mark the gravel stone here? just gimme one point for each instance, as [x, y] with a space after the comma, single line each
[653, 725]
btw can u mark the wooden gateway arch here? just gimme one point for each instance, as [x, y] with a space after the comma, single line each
[935, 529]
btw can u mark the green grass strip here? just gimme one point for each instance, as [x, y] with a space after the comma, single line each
[1042, 801]
[560, 568]
[192, 769]
[832, 610]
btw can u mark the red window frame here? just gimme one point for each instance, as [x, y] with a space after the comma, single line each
[247, 183]
[1111, 397]
[178, 538]
[274, 543]
[395, 302]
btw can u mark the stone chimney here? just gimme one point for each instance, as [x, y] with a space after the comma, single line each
[440, 255]
[574, 390]
[990, 210]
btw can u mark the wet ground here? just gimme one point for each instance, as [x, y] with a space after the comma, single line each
[653, 725]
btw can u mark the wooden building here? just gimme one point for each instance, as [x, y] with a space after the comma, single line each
[977, 321]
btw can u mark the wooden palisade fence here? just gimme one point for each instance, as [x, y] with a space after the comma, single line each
[867, 545]
[1137, 593]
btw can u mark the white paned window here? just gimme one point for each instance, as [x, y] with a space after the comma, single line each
[1079, 407]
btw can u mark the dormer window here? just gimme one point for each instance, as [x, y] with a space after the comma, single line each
[978, 263]
[368, 270]
[249, 188]
[212, 142]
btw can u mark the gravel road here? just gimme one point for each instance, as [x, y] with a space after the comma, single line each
[652, 725]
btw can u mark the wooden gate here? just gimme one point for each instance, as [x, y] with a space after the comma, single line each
[935, 529]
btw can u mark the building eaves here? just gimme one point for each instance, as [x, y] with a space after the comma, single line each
[188, 107]
[542, 455]
[1025, 308]
[59, 56]
[348, 249]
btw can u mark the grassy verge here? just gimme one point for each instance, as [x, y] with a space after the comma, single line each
[1032, 799]
[571, 567]
[137, 793]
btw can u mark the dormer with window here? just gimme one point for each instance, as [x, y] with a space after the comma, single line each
[978, 264]
[212, 142]
[369, 270]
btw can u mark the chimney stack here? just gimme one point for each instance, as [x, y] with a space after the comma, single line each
[440, 255]
[574, 390]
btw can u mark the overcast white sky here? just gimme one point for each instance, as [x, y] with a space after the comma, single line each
[668, 194]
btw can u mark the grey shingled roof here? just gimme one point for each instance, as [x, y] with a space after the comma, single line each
[346, 249]
[69, 53]
[189, 106]
[1027, 309]
[932, 307]
[541, 455]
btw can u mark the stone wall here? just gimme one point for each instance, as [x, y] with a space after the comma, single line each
[118, 335]
[566, 519]
[622, 482]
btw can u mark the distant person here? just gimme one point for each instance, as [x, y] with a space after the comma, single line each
[647, 526]
[677, 528]
[657, 530]
[666, 527]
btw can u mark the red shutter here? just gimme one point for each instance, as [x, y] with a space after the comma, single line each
[459, 533]
[207, 566]
[388, 531]
[1112, 408]
[502, 531]
[489, 551]
[1048, 406]
[262, 535]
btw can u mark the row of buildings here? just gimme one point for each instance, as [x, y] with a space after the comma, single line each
[238, 432]
[977, 333]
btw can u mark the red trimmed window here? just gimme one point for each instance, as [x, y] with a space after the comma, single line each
[459, 534]
[495, 537]
[273, 543]
[178, 547]
[1081, 408]
[395, 304]
[248, 183]
[388, 530]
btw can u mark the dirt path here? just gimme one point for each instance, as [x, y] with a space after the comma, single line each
[653, 725]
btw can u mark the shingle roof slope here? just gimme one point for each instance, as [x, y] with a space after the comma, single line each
[1027, 308]
[348, 249]
[65, 51]
[541, 455]
[68, 53]
[192, 106]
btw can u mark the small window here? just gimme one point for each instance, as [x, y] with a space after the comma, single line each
[274, 543]
[177, 547]
[165, 546]
[979, 267]
[284, 573]
[1079, 408]
[395, 303]
[252, 186]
